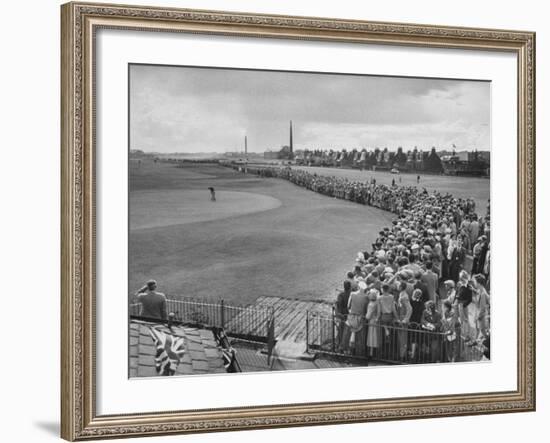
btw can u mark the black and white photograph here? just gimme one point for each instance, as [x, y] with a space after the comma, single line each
[284, 220]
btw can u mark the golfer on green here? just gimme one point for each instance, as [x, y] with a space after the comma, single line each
[212, 194]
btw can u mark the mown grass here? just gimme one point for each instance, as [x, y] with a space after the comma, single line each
[301, 249]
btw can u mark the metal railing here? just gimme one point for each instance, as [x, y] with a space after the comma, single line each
[388, 343]
[241, 321]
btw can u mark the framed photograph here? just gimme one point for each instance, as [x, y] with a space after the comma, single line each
[277, 221]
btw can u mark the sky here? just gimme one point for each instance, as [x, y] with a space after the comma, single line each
[190, 110]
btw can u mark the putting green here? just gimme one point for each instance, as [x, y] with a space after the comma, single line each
[152, 209]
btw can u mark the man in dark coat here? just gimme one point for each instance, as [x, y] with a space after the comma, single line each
[480, 254]
[464, 295]
[419, 284]
[456, 260]
[341, 311]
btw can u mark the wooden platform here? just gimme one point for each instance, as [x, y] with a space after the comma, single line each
[290, 322]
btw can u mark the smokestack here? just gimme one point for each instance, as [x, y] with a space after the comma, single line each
[291, 145]
[245, 146]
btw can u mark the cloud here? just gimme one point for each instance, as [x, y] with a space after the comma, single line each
[202, 109]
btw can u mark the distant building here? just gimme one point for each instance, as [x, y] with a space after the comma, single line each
[286, 153]
[432, 163]
[476, 163]
[471, 163]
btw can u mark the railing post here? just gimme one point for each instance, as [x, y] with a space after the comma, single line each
[269, 313]
[333, 334]
[319, 332]
[307, 331]
[460, 345]
[222, 314]
[270, 334]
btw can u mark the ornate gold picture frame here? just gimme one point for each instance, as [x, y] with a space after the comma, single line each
[80, 22]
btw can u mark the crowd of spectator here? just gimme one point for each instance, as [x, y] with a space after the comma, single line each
[423, 285]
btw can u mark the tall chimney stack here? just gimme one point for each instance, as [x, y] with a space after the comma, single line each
[291, 144]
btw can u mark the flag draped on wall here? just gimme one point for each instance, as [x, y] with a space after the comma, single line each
[170, 350]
